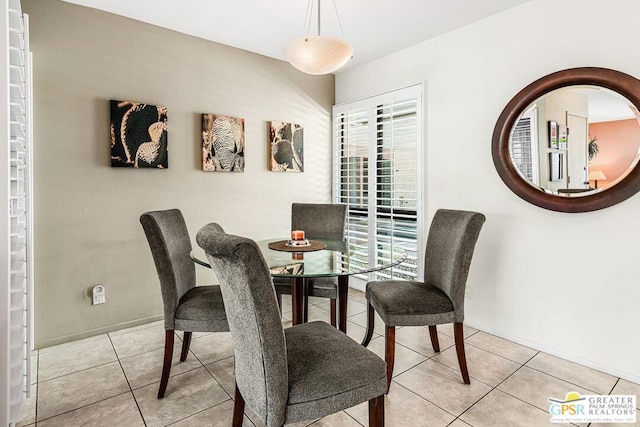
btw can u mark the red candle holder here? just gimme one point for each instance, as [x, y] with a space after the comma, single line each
[297, 235]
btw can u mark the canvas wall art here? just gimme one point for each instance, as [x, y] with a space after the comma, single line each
[222, 143]
[138, 135]
[553, 134]
[286, 147]
[563, 131]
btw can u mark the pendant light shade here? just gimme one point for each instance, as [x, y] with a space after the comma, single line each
[318, 54]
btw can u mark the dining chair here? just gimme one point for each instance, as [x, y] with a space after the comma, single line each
[439, 298]
[288, 375]
[187, 307]
[318, 221]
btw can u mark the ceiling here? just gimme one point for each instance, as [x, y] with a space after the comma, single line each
[375, 28]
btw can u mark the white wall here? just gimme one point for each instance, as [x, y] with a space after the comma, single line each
[87, 229]
[563, 283]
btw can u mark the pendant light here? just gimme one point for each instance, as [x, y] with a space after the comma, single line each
[318, 54]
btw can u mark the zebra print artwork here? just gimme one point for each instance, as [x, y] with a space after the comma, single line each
[222, 143]
[138, 135]
[286, 147]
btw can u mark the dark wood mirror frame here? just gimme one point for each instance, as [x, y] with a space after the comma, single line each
[622, 83]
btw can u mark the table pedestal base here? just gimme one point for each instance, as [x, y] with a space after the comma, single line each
[300, 310]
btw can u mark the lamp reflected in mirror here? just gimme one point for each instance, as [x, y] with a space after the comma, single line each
[596, 176]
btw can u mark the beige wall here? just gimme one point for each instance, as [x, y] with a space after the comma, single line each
[86, 213]
[534, 277]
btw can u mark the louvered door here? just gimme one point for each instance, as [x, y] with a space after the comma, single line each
[16, 265]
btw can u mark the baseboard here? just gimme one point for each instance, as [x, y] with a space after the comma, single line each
[554, 352]
[98, 331]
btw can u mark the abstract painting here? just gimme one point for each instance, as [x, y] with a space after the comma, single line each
[222, 143]
[286, 147]
[138, 135]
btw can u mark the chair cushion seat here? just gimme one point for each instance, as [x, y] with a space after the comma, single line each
[328, 372]
[407, 303]
[201, 310]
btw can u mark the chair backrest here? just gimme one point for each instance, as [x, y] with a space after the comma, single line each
[450, 244]
[170, 245]
[254, 320]
[319, 219]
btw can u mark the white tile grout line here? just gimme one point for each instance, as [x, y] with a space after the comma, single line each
[83, 406]
[496, 388]
[78, 371]
[565, 380]
[128, 383]
[349, 415]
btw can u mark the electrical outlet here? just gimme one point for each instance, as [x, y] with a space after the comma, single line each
[98, 295]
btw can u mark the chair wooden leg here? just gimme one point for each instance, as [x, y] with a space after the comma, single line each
[458, 333]
[186, 342]
[368, 333]
[166, 367]
[305, 314]
[390, 352]
[376, 412]
[433, 333]
[343, 292]
[332, 311]
[238, 409]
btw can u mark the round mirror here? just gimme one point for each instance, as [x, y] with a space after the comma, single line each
[570, 141]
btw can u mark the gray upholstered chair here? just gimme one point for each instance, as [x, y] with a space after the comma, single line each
[301, 373]
[439, 298]
[187, 307]
[318, 221]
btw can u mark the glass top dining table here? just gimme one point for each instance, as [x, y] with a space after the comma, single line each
[303, 263]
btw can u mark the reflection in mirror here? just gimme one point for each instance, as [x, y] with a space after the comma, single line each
[576, 141]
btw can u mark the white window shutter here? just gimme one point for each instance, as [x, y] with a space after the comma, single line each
[15, 298]
[377, 173]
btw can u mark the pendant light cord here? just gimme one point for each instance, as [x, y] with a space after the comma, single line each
[338, 17]
[309, 15]
[319, 17]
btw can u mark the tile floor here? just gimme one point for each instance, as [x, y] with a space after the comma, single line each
[112, 380]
